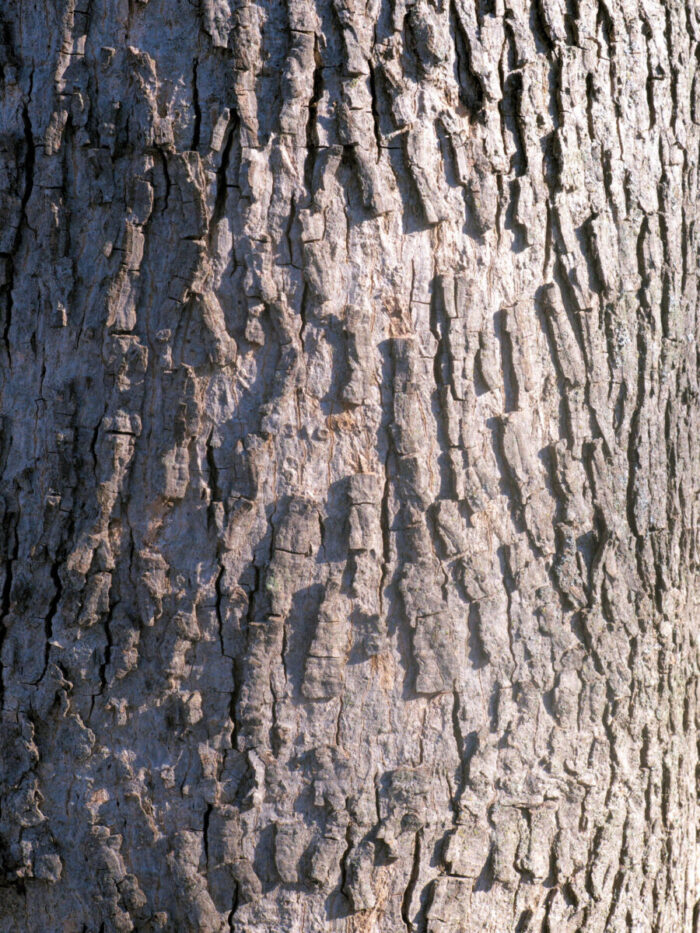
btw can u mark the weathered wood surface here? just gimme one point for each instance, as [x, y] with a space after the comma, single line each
[349, 465]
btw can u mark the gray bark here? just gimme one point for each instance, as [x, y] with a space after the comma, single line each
[349, 465]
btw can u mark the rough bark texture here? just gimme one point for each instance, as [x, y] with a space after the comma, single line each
[349, 465]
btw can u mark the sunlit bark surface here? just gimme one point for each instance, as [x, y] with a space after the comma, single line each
[349, 466]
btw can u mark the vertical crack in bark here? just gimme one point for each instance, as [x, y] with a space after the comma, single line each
[213, 470]
[511, 401]
[443, 384]
[571, 20]
[634, 429]
[512, 116]
[234, 906]
[205, 834]
[29, 166]
[540, 29]
[344, 880]
[163, 158]
[303, 315]
[221, 173]
[196, 129]
[647, 33]
[93, 443]
[50, 614]
[461, 753]
[412, 883]
[374, 106]
[311, 144]
[219, 609]
[6, 602]
[670, 50]
[30, 156]
[385, 525]
[338, 723]
[470, 84]
[509, 588]
[108, 647]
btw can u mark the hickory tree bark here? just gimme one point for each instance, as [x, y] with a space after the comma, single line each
[349, 465]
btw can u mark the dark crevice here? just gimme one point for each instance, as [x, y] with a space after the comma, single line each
[93, 442]
[483, 9]
[234, 906]
[511, 113]
[385, 520]
[303, 314]
[221, 172]
[462, 751]
[108, 648]
[30, 157]
[311, 144]
[6, 602]
[647, 33]
[412, 882]
[666, 293]
[375, 109]
[519, 230]
[670, 48]
[344, 858]
[510, 382]
[386, 533]
[219, 609]
[588, 243]
[591, 96]
[443, 380]
[29, 163]
[286, 240]
[213, 471]
[196, 107]
[544, 41]
[469, 83]
[166, 176]
[571, 21]
[51, 614]
[205, 834]
[695, 96]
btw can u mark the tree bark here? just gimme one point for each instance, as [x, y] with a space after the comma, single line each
[349, 465]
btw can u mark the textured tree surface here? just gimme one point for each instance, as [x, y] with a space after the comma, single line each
[349, 465]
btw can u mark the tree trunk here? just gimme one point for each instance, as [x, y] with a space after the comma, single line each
[349, 465]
